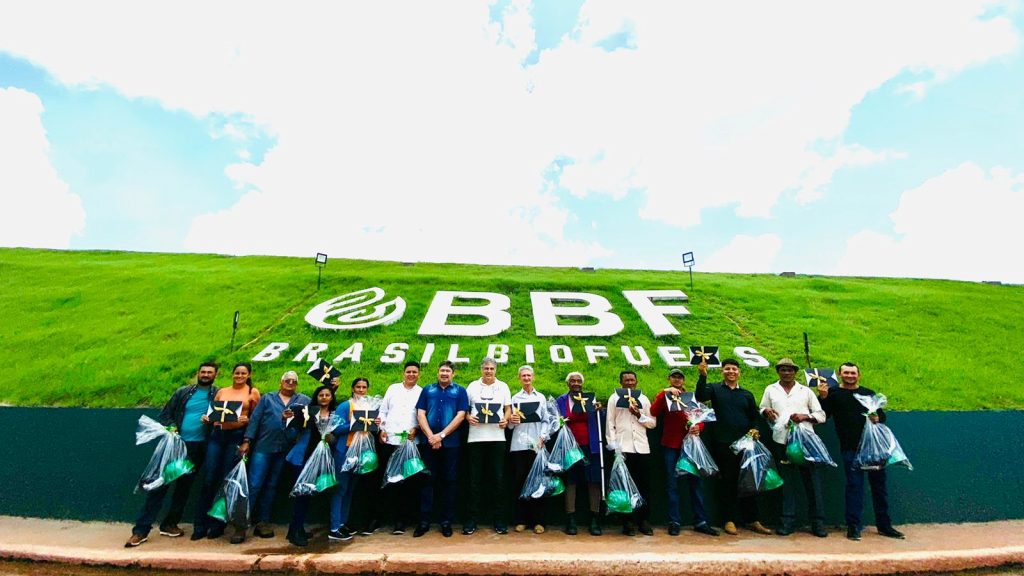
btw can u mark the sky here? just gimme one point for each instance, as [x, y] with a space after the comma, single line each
[853, 139]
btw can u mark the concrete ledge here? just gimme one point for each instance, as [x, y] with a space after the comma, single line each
[929, 548]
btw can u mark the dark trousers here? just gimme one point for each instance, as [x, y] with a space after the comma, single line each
[738, 509]
[367, 495]
[639, 466]
[694, 484]
[529, 511]
[810, 476]
[221, 456]
[855, 493]
[443, 464]
[264, 472]
[487, 460]
[182, 486]
[397, 502]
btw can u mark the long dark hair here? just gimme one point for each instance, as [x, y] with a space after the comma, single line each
[316, 394]
[247, 367]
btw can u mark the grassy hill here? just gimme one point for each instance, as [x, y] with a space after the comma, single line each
[114, 329]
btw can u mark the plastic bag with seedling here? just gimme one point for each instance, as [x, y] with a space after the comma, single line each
[170, 458]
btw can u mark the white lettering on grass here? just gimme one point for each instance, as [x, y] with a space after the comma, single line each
[654, 315]
[271, 352]
[546, 314]
[435, 321]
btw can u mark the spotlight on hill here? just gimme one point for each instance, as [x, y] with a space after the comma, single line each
[688, 262]
[321, 261]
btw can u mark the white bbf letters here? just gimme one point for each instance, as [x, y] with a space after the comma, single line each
[546, 313]
[643, 301]
[435, 322]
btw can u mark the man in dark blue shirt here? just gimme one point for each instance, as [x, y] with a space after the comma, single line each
[440, 410]
[848, 413]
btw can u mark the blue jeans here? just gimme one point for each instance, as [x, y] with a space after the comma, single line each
[443, 465]
[855, 493]
[694, 483]
[264, 472]
[221, 456]
[341, 499]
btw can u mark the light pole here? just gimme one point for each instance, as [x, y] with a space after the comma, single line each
[688, 262]
[321, 261]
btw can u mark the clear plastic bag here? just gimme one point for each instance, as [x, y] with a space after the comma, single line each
[404, 463]
[232, 502]
[540, 482]
[170, 458]
[318, 473]
[878, 446]
[804, 447]
[361, 457]
[566, 452]
[623, 496]
[757, 468]
[694, 458]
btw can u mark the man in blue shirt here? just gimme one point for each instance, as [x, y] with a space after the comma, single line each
[272, 440]
[183, 413]
[440, 410]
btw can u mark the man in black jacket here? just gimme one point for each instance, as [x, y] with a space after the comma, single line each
[736, 413]
[841, 404]
[183, 413]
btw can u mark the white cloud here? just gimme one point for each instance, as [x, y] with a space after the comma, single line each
[36, 208]
[747, 254]
[962, 224]
[418, 135]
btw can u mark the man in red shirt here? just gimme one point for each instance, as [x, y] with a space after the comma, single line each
[673, 433]
[585, 430]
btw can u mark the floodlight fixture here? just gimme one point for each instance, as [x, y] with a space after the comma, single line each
[688, 262]
[321, 261]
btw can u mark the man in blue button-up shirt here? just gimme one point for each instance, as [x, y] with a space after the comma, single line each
[440, 411]
[271, 441]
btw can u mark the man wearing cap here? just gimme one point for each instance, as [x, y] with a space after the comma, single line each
[440, 410]
[267, 441]
[848, 414]
[735, 414]
[183, 412]
[627, 429]
[586, 431]
[787, 401]
[674, 431]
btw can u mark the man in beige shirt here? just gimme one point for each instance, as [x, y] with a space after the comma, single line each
[627, 430]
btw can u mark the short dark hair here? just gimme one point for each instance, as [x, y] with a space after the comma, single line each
[334, 401]
[360, 379]
[411, 363]
[730, 362]
[851, 365]
[624, 372]
[447, 363]
[211, 364]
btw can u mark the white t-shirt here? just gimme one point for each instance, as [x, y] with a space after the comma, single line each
[398, 410]
[480, 392]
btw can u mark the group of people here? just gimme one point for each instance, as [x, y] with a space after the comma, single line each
[434, 416]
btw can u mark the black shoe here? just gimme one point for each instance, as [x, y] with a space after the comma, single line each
[215, 532]
[891, 532]
[421, 529]
[500, 529]
[595, 527]
[342, 534]
[784, 530]
[370, 529]
[398, 530]
[673, 529]
[645, 528]
[468, 528]
[198, 534]
[570, 524]
[705, 528]
[853, 533]
[238, 537]
[819, 531]
[628, 528]
[446, 530]
[298, 538]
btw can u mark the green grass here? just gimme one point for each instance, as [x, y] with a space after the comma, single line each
[115, 329]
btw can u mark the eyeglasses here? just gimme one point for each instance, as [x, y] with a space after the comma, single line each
[290, 381]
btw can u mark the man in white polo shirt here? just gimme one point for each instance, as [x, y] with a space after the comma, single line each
[627, 429]
[486, 445]
[397, 415]
[796, 403]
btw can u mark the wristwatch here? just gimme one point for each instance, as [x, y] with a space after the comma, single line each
[441, 435]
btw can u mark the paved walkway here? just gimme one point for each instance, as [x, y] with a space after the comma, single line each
[928, 547]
